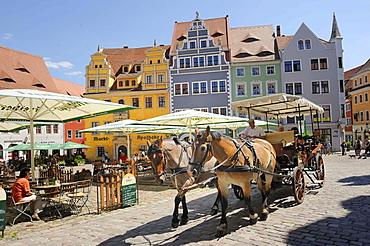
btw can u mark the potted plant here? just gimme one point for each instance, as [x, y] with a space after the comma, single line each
[349, 146]
[79, 160]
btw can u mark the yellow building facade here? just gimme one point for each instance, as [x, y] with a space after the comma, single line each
[360, 102]
[137, 77]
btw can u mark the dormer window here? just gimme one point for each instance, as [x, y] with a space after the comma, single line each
[264, 53]
[22, 70]
[138, 68]
[217, 34]
[39, 85]
[125, 69]
[181, 38]
[8, 80]
[250, 40]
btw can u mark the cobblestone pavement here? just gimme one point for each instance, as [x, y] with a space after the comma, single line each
[337, 214]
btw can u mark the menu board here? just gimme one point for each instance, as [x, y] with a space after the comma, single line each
[128, 190]
[2, 209]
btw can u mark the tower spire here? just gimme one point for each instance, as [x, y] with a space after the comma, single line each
[335, 30]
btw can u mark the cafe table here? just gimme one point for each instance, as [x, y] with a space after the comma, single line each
[47, 193]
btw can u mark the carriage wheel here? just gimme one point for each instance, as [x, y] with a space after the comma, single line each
[299, 186]
[320, 169]
[238, 191]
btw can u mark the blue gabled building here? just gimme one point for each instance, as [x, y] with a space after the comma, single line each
[199, 66]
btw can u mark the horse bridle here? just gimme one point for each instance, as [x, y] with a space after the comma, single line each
[166, 157]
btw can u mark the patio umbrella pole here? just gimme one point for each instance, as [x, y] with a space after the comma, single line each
[32, 139]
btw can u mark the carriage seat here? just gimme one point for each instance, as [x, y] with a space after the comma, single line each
[280, 140]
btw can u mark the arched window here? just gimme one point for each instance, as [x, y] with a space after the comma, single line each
[127, 83]
[121, 101]
[300, 45]
[133, 82]
[307, 43]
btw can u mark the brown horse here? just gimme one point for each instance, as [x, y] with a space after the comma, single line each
[240, 162]
[170, 159]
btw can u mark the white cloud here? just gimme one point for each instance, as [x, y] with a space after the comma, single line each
[8, 36]
[57, 65]
[74, 73]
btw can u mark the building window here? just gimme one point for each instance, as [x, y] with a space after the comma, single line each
[69, 134]
[38, 129]
[78, 134]
[355, 82]
[102, 82]
[315, 87]
[150, 62]
[360, 81]
[360, 98]
[300, 45]
[240, 72]
[367, 115]
[256, 89]
[192, 45]
[133, 82]
[196, 61]
[355, 97]
[92, 82]
[201, 61]
[366, 79]
[296, 66]
[199, 88]
[181, 89]
[218, 86]
[182, 63]
[255, 71]
[121, 101]
[366, 97]
[324, 86]
[125, 69]
[220, 110]
[138, 68]
[270, 70]
[307, 43]
[341, 85]
[326, 114]
[314, 64]
[160, 78]
[361, 116]
[323, 63]
[135, 102]
[149, 79]
[158, 61]
[340, 62]
[161, 102]
[292, 66]
[241, 90]
[203, 43]
[271, 88]
[55, 128]
[127, 83]
[294, 88]
[100, 151]
[187, 62]
[48, 129]
[95, 124]
[148, 102]
[120, 83]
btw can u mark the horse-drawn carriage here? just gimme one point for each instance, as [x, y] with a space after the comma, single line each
[284, 158]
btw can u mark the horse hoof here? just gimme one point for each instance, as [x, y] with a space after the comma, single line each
[221, 230]
[175, 224]
[264, 216]
[214, 211]
[184, 221]
[253, 221]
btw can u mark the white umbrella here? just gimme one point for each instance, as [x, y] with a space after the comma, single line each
[125, 126]
[41, 106]
[191, 118]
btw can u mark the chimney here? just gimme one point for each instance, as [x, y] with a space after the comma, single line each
[125, 47]
[278, 31]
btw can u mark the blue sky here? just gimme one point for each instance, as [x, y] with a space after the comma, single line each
[65, 33]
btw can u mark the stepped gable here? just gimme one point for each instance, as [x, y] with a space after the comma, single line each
[19, 70]
[218, 29]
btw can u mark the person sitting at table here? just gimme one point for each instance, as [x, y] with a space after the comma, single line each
[21, 192]
[123, 157]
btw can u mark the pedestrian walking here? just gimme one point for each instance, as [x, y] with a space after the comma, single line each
[366, 147]
[358, 148]
[343, 145]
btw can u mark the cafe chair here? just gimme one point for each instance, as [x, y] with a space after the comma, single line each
[80, 196]
[20, 208]
[62, 200]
